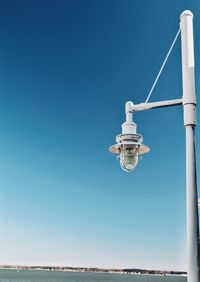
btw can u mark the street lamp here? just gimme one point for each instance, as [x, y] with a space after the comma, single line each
[129, 145]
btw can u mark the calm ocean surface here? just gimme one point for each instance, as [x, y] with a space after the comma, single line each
[53, 276]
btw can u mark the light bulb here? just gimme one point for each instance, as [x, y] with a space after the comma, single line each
[129, 158]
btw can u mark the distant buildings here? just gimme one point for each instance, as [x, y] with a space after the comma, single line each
[93, 269]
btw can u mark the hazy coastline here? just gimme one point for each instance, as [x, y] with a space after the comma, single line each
[133, 271]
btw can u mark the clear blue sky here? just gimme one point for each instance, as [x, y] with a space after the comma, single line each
[67, 68]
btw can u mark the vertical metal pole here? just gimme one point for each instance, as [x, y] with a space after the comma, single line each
[189, 106]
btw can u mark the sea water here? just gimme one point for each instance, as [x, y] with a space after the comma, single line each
[56, 276]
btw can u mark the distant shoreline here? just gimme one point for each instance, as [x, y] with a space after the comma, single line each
[133, 271]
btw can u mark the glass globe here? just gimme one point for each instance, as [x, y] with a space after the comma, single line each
[129, 158]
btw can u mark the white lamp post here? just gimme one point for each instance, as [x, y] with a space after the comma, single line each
[129, 144]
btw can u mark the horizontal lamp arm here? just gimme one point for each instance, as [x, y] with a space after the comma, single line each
[130, 107]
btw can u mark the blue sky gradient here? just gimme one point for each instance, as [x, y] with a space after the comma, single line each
[67, 68]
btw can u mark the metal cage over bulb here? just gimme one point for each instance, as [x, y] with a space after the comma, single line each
[129, 149]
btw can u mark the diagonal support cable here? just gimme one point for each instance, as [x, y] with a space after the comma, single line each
[162, 67]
